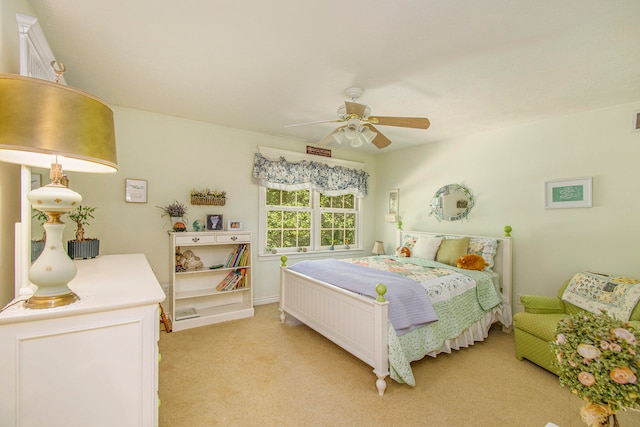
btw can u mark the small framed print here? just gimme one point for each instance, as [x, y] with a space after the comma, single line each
[214, 222]
[635, 125]
[393, 206]
[568, 193]
[135, 191]
[234, 225]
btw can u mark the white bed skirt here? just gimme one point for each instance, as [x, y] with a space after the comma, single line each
[476, 332]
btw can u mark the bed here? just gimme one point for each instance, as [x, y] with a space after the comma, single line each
[361, 325]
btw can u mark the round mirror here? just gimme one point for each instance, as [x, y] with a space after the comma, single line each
[452, 202]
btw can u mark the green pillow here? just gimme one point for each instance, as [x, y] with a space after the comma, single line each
[452, 249]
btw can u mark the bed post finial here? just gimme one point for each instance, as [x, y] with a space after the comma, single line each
[507, 231]
[283, 260]
[381, 290]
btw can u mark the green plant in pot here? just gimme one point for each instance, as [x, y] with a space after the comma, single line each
[177, 212]
[38, 245]
[82, 247]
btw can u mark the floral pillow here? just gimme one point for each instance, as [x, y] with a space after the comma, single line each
[486, 248]
[410, 242]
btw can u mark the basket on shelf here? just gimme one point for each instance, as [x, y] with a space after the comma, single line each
[207, 200]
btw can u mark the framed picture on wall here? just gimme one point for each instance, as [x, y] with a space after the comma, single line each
[135, 190]
[214, 222]
[393, 206]
[568, 193]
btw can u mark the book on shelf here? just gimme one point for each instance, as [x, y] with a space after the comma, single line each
[187, 313]
[235, 279]
[237, 256]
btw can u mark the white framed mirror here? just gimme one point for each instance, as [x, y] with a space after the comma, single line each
[452, 202]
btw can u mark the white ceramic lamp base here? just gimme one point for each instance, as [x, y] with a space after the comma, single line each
[53, 269]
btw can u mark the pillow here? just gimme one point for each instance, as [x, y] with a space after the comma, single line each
[452, 249]
[409, 242]
[426, 247]
[486, 248]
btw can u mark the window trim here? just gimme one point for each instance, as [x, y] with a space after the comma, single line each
[315, 249]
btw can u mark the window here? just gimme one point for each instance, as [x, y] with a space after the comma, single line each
[307, 220]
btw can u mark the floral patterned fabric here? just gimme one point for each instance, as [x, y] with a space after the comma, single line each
[460, 298]
[595, 292]
[290, 176]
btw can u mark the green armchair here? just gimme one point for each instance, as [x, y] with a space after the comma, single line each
[534, 328]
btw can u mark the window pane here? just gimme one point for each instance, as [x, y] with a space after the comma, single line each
[273, 197]
[327, 220]
[350, 220]
[303, 198]
[274, 219]
[349, 201]
[304, 219]
[289, 219]
[325, 201]
[288, 198]
[274, 238]
[349, 237]
[338, 237]
[325, 237]
[290, 239]
[304, 238]
[338, 220]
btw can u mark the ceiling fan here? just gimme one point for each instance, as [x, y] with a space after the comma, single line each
[359, 127]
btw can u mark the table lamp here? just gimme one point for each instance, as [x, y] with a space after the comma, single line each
[46, 124]
[378, 248]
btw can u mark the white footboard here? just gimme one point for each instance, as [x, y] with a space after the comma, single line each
[356, 323]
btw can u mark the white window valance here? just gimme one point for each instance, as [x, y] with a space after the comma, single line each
[331, 180]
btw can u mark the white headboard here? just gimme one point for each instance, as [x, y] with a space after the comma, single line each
[502, 262]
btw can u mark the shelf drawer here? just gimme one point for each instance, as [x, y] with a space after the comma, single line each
[190, 240]
[234, 238]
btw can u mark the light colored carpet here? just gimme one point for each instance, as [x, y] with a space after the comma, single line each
[259, 372]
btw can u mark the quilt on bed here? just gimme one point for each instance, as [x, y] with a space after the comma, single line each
[460, 298]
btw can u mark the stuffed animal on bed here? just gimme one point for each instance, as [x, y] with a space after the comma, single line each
[472, 262]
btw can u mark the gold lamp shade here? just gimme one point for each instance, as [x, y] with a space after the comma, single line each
[46, 124]
[40, 120]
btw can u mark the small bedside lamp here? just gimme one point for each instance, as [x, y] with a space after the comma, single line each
[47, 124]
[378, 248]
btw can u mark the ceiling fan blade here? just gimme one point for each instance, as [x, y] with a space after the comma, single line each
[405, 122]
[380, 140]
[314, 123]
[327, 139]
[355, 108]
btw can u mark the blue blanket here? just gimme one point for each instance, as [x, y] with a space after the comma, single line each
[409, 305]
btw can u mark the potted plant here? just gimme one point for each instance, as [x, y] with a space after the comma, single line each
[82, 247]
[177, 212]
[38, 245]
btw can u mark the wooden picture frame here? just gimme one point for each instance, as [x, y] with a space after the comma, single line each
[234, 225]
[568, 193]
[135, 190]
[214, 222]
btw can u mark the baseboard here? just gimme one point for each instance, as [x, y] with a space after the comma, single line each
[266, 300]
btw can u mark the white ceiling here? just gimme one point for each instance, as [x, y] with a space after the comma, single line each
[468, 66]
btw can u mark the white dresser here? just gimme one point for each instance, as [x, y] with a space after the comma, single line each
[92, 363]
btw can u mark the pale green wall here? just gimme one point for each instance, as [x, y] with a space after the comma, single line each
[506, 171]
[9, 174]
[176, 155]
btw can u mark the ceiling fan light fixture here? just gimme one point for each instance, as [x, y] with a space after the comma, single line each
[368, 134]
[339, 136]
[358, 141]
[351, 132]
